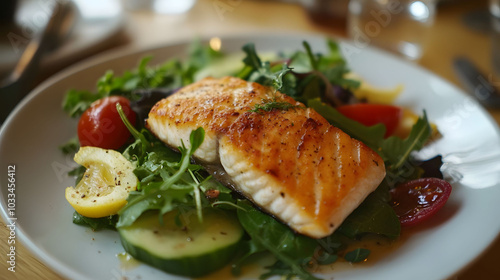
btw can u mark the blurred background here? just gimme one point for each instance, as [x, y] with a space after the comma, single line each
[423, 31]
[458, 40]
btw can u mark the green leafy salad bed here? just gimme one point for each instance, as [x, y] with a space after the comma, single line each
[180, 219]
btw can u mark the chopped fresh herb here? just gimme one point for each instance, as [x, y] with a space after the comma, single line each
[268, 105]
[357, 255]
[326, 258]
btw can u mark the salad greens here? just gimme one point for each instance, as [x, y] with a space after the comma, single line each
[292, 250]
[261, 72]
[96, 223]
[172, 74]
[177, 184]
[169, 180]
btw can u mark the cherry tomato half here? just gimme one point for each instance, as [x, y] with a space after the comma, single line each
[101, 125]
[418, 200]
[372, 114]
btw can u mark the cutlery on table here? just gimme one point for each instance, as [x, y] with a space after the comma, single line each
[476, 83]
[18, 83]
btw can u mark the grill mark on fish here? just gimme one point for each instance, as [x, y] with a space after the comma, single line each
[318, 189]
[338, 160]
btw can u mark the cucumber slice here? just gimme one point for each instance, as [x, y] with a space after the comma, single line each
[183, 245]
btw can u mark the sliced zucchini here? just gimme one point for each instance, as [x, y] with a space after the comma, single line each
[183, 245]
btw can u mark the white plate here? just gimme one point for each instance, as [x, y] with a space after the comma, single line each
[456, 236]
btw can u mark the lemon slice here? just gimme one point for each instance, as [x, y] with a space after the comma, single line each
[104, 188]
[374, 94]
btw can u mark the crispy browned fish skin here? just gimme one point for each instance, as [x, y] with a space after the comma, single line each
[291, 163]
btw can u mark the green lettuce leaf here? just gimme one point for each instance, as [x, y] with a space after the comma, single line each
[374, 215]
[291, 249]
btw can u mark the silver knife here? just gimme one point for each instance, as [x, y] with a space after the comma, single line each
[476, 83]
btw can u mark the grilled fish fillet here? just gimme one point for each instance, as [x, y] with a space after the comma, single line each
[291, 163]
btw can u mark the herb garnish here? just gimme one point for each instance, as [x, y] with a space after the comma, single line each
[357, 255]
[268, 105]
[261, 72]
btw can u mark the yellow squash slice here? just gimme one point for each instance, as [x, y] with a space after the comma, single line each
[105, 186]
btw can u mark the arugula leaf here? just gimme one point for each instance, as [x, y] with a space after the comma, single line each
[330, 67]
[330, 247]
[70, 147]
[319, 74]
[310, 87]
[374, 215]
[177, 186]
[75, 102]
[261, 72]
[185, 157]
[152, 199]
[291, 249]
[252, 59]
[96, 223]
[170, 75]
[196, 139]
[334, 55]
[336, 73]
[396, 151]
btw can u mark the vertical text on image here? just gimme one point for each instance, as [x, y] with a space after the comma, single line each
[11, 221]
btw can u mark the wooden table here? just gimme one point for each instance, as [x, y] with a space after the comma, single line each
[449, 37]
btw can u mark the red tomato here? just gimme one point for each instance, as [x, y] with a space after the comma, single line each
[372, 114]
[101, 125]
[417, 200]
